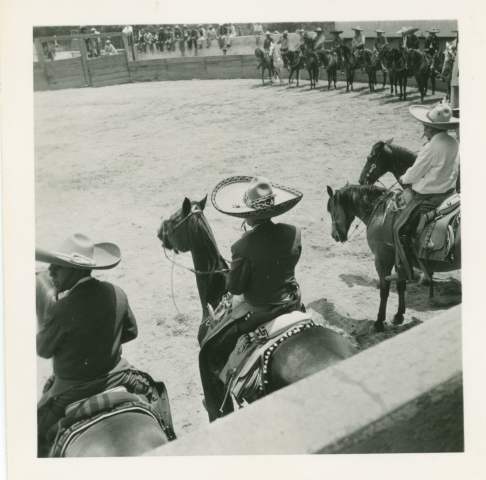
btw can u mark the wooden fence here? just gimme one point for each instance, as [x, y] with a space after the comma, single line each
[125, 67]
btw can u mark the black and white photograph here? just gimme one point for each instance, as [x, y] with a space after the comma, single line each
[247, 240]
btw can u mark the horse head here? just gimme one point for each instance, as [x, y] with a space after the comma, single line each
[258, 53]
[173, 232]
[341, 218]
[376, 165]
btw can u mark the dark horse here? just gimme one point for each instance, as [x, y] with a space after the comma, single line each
[369, 203]
[298, 357]
[329, 61]
[421, 71]
[123, 435]
[386, 58]
[386, 157]
[400, 68]
[311, 62]
[296, 64]
[265, 62]
[368, 61]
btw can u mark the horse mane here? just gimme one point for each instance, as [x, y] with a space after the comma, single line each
[402, 157]
[352, 195]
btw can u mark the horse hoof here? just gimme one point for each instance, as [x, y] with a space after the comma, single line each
[398, 319]
[379, 327]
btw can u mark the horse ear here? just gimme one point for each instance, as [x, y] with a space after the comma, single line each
[329, 191]
[202, 203]
[186, 207]
[389, 141]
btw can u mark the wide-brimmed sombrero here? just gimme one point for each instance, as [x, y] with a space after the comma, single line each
[336, 31]
[439, 117]
[379, 31]
[79, 251]
[433, 30]
[253, 197]
[357, 29]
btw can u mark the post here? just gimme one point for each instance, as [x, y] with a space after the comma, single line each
[41, 59]
[134, 50]
[125, 44]
[84, 60]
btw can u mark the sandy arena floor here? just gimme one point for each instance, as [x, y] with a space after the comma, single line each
[111, 161]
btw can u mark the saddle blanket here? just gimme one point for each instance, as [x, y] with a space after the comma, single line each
[84, 414]
[242, 373]
[435, 233]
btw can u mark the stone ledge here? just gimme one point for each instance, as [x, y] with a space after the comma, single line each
[357, 405]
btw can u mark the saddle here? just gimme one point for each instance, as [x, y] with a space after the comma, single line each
[245, 371]
[82, 415]
[435, 234]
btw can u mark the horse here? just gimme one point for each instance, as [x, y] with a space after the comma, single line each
[311, 62]
[449, 58]
[421, 71]
[369, 203]
[296, 64]
[436, 66]
[368, 62]
[265, 62]
[304, 353]
[278, 63]
[386, 58]
[400, 68]
[126, 434]
[329, 62]
[386, 157]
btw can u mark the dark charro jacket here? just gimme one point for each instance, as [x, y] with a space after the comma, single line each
[83, 332]
[432, 45]
[413, 42]
[263, 263]
[267, 43]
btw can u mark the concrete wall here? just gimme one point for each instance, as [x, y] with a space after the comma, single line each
[403, 395]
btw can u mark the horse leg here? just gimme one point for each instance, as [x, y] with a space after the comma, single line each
[405, 87]
[383, 268]
[263, 73]
[432, 80]
[401, 287]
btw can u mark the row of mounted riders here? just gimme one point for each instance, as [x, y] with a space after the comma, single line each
[277, 353]
[398, 63]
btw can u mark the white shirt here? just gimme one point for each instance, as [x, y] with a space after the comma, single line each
[436, 168]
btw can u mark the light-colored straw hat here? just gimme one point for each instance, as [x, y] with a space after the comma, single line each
[357, 29]
[253, 197]
[433, 30]
[439, 117]
[79, 251]
[379, 31]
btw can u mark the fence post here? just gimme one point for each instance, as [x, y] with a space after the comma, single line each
[134, 50]
[84, 60]
[125, 44]
[41, 59]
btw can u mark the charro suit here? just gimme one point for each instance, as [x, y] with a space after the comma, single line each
[263, 263]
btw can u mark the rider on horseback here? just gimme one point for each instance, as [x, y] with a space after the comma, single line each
[358, 43]
[284, 43]
[301, 44]
[337, 41]
[380, 42]
[431, 45]
[408, 42]
[262, 274]
[83, 331]
[430, 181]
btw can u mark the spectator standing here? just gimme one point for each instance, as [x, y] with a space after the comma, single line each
[257, 29]
[201, 36]
[96, 42]
[192, 38]
[284, 43]
[128, 33]
[212, 35]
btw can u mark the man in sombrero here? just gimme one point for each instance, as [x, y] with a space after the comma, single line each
[337, 41]
[429, 181]
[262, 274]
[358, 42]
[431, 44]
[83, 331]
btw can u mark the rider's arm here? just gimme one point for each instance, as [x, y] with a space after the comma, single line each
[239, 273]
[130, 329]
[420, 167]
[49, 338]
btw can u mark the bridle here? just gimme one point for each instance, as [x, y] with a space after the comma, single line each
[194, 210]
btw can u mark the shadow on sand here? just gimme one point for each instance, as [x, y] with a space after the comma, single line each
[362, 331]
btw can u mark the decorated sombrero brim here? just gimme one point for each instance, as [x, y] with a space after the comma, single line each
[105, 256]
[420, 113]
[227, 197]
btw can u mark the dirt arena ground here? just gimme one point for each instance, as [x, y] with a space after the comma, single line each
[111, 161]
